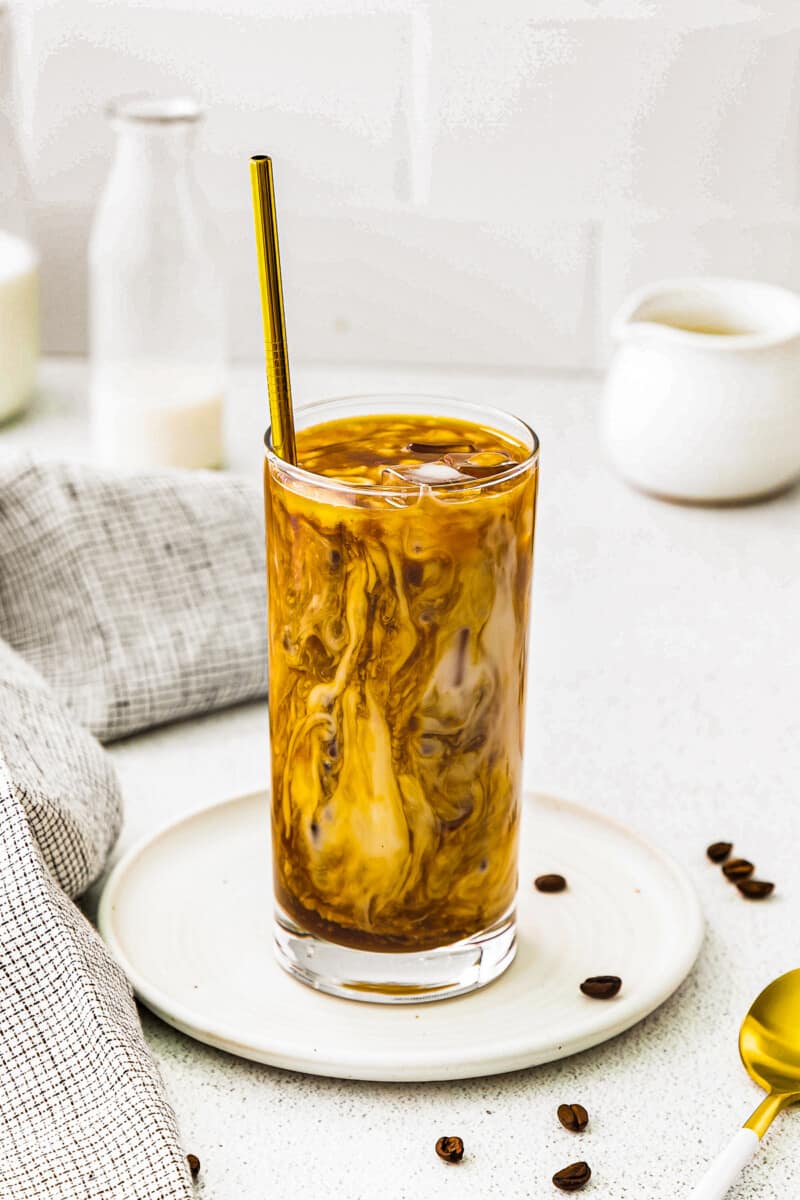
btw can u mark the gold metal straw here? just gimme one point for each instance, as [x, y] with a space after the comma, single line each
[269, 277]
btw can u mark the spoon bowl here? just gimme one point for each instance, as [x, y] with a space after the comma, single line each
[769, 1045]
[769, 1041]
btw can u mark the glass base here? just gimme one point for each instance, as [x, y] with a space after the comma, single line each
[408, 978]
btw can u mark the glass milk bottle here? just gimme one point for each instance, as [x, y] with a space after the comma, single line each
[157, 304]
[19, 261]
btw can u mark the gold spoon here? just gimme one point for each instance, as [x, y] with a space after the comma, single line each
[769, 1045]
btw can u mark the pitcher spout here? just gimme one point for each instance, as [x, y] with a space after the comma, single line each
[712, 313]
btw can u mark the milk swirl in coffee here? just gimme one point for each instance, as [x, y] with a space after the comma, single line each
[399, 564]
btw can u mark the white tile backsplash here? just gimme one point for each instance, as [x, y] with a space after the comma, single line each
[320, 92]
[456, 183]
[406, 286]
[591, 116]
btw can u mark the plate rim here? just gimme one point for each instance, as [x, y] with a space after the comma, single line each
[417, 1065]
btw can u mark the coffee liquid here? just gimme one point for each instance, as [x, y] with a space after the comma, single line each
[397, 642]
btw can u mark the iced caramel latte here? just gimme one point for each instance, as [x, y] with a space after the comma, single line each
[399, 556]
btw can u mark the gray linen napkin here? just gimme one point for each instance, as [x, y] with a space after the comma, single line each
[138, 599]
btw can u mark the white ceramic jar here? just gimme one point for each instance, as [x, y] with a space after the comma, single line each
[19, 260]
[19, 322]
[702, 398]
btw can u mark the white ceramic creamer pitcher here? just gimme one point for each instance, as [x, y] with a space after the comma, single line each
[702, 399]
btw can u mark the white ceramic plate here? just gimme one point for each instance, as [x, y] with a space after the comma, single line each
[187, 915]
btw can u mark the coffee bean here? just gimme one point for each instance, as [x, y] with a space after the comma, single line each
[755, 889]
[573, 1117]
[737, 868]
[719, 851]
[573, 1177]
[193, 1163]
[550, 883]
[451, 1149]
[601, 987]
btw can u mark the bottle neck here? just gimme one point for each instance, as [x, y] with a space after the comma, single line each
[152, 149]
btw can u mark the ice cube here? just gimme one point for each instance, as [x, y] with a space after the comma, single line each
[435, 472]
[481, 465]
[432, 474]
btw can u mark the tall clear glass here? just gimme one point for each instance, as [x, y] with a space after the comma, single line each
[157, 298]
[19, 260]
[399, 558]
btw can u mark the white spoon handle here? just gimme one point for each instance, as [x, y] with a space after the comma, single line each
[726, 1166]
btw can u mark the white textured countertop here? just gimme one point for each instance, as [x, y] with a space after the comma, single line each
[665, 691]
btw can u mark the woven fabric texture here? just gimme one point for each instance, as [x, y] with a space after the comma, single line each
[140, 599]
[82, 1111]
[124, 603]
